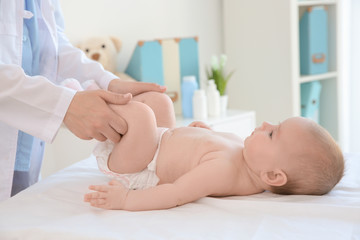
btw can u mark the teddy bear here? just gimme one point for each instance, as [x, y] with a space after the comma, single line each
[104, 50]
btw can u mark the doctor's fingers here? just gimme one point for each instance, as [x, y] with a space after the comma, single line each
[80, 133]
[87, 134]
[110, 133]
[106, 125]
[141, 87]
[134, 88]
[112, 127]
[114, 98]
[118, 123]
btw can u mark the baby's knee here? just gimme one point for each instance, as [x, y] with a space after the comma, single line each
[133, 110]
[155, 99]
[140, 109]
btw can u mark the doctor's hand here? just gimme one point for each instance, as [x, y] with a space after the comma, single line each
[89, 115]
[135, 88]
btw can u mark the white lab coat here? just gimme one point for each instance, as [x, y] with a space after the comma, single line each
[36, 105]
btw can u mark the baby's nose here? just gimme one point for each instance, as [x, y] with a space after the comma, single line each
[265, 125]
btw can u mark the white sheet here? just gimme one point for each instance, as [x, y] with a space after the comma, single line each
[53, 209]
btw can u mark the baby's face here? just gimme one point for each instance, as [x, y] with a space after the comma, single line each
[271, 146]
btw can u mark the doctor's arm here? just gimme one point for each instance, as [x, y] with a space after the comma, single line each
[73, 63]
[209, 178]
[38, 107]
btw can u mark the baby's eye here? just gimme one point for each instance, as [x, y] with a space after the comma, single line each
[270, 134]
[87, 50]
[103, 46]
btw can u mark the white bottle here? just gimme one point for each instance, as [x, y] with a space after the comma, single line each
[199, 105]
[213, 99]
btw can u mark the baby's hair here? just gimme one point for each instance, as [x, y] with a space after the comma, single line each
[321, 165]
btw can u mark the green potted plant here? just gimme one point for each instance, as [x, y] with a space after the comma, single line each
[217, 73]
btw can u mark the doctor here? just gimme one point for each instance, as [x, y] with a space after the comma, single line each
[35, 56]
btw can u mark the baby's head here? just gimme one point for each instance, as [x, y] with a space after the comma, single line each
[297, 156]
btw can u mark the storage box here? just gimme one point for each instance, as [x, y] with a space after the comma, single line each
[146, 64]
[189, 58]
[314, 41]
[166, 62]
[310, 98]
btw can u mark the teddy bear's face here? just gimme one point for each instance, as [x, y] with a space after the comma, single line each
[104, 50]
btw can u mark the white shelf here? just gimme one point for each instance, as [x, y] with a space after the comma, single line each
[315, 3]
[318, 77]
[262, 44]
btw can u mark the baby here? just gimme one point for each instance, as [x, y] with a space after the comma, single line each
[161, 167]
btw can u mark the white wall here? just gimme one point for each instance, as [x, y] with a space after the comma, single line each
[350, 57]
[131, 21]
[354, 75]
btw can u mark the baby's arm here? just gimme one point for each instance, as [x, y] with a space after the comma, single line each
[213, 177]
[200, 125]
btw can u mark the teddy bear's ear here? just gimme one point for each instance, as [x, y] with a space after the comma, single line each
[78, 44]
[117, 43]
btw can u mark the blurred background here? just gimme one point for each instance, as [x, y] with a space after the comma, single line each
[261, 39]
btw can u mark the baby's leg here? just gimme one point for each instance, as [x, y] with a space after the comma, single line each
[162, 106]
[138, 146]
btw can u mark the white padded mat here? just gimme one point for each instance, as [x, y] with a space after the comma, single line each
[54, 209]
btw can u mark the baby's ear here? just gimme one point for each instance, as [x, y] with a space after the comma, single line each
[274, 178]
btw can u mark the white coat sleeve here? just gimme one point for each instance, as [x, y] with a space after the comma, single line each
[73, 63]
[32, 104]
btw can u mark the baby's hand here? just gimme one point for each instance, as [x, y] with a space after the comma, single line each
[112, 196]
[199, 124]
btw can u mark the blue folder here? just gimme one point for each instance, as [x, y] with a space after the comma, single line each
[310, 100]
[314, 41]
[146, 64]
[189, 60]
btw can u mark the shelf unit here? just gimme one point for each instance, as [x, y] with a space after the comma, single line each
[315, 3]
[262, 45]
[318, 77]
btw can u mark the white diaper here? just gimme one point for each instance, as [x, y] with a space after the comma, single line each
[140, 180]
